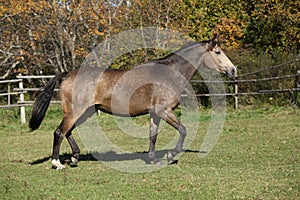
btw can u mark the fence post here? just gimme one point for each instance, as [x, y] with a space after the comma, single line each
[297, 86]
[8, 96]
[22, 108]
[236, 100]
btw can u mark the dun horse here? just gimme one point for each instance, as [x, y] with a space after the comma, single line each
[160, 84]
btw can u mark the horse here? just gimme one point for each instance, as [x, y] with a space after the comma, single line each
[154, 88]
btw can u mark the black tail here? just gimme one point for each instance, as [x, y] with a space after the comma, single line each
[42, 102]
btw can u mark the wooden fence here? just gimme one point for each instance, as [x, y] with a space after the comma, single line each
[20, 90]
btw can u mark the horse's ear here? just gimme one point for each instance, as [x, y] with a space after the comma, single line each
[213, 42]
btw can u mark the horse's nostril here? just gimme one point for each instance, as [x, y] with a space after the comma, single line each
[233, 72]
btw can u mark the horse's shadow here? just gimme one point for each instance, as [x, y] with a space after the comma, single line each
[110, 156]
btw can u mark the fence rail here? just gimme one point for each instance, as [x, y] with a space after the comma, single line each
[20, 76]
[11, 81]
[20, 90]
[248, 80]
[270, 68]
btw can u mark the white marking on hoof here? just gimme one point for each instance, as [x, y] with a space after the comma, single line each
[74, 161]
[159, 163]
[57, 165]
[170, 156]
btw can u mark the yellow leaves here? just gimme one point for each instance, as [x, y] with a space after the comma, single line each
[93, 31]
[41, 6]
[99, 33]
[93, 16]
[273, 24]
[38, 35]
[231, 30]
[2, 10]
[73, 27]
[81, 52]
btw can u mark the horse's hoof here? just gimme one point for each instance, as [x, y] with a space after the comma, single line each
[170, 156]
[74, 162]
[157, 162]
[57, 165]
[171, 162]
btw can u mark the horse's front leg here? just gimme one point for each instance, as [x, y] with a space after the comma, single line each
[182, 134]
[154, 124]
[169, 116]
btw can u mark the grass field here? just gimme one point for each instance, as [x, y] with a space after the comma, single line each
[257, 157]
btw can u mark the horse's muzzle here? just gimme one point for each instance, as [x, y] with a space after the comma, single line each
[232, 73]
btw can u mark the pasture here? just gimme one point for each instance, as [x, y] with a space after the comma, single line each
[257, 157]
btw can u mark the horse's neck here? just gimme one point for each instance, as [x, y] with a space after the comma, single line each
[187, 63]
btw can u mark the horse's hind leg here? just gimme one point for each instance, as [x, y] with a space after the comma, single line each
[58, 137]
[154, 123]
[59, 134]
[74, 147]
[65, 129]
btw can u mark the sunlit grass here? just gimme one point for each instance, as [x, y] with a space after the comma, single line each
[257, 157]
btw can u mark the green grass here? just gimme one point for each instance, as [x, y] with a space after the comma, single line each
[256, 157]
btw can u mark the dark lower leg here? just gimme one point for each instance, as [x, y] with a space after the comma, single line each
[182, 135]
[152, 148]
[58, 137]
[178, 148]
[170, 117]
[75, 149]
[154, 123]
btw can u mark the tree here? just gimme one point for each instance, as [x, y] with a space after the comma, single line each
[48, 36]
[273, 24]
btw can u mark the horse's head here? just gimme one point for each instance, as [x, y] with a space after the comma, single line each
[216, 59]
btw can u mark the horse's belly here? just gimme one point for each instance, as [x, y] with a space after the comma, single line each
[123, 108]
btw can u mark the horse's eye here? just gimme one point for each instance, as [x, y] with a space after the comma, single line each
[217, 51]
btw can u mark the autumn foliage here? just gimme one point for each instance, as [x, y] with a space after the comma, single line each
[49, 36]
